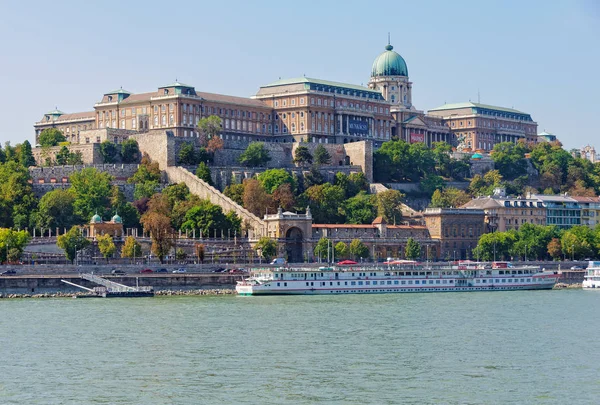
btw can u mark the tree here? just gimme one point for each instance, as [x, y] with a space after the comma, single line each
[235, 192]
[200, 251]
[449, 198]
[321, 249]
[130, 151]
[509, 159]
[72, 242]
[430, 183]
[209, 128]
[156, 220]
[578, 242]
[554, 248]
[131, 248]
[147, 171]
[321, 156]
[106, 245]
[255, 155]
[12, 244]
[389, 205]
[412, 250]
[109, 152]
[17, 201]
[91, 189]
[494, 246]
[180, 254]
[75, 158]
[187, 155]
[302, 156]
[256, 200]
[51, 137]
[62, 157]
[358, 249]
[214, 144]
[313, 177]
[324, 202]
[271, 179]
[203, 173]
[283, 196]
[341, 250]
[360, 209]
[206, 218]
[26, 155]
[56, 210]
[267, 247]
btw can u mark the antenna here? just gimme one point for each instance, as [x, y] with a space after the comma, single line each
[388, 38]
[478, 97]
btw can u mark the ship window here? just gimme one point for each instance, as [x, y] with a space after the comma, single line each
[368, 283]
[477, 281]
[484, 281]
[396, 282]
[451, 281]
[353, 283]
[285, 284]
[430, 281]
[410, 282]
[389, 282]
[345, 283]
[311, 283]
[528, 280]
[278, 284]
[360, 283]
[330, 283]
[307, 283]
[374, 282]
[497, 281]
[437, 281]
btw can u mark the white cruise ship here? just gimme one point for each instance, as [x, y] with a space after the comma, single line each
[403, 278]
[591, 279]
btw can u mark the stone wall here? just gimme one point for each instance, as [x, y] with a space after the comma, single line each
[160, 146]
[58, 174]
[90, 153]
[361, 154]
[200, 188]
[224, 176]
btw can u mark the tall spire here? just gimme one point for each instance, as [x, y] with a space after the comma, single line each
[389, 42]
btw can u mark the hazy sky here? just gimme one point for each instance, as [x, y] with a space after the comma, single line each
[541, 57]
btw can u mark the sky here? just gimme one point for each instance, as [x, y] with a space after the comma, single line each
[540, 57]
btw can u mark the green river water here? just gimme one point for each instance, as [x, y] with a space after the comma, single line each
[522, 347]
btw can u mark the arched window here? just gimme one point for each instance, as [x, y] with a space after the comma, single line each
[156, 120]
[171, 119]
[164, 120]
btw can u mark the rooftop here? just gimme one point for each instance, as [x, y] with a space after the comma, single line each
[456, 106]
[308, 80]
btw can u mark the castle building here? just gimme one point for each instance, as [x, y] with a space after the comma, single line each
[479, 126]
[457, 230]
[299, 110]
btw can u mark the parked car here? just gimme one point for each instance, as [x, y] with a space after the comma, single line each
[219, 270]
[162, 271]
[117, 272]
[576, 268]
[8, 273]
[181, 270]
[147, 271]
[236, 271]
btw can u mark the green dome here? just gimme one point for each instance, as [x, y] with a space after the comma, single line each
[389, 63]
[96, 219]
[476, 156]
[117, 219]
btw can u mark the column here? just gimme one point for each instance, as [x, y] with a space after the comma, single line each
[348, 124]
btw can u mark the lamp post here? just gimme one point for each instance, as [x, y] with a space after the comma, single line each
[572, 252]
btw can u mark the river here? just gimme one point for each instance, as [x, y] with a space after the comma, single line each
[521, 347]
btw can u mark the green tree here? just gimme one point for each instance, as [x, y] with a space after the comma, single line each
[509, 159]
[12, 244]
[267, 246]
[389, 205]
[494, 246]
[342, 251]
[17, 201]
[91, 189]
[56, 210]
[203, 173]
[209, 128]
[180, 254]
[359, 209]
[187, 155]
[62, 157]
[146, 189]
[313, 177]
[321, 249]
[235, 192]
[72, 242]
[412, 250]
[449, 198]
[147, 171]
[206, 217]
[302, 156]
[358, 249]
[51, 137]
[109, 152]
[578, 242]
[130, 151]
[271, 179]
[75, 158]
[26, 155]
[131, 248]
[106, 245]
[430, 183]
[321, 156]
[255, 155]
[324, 201]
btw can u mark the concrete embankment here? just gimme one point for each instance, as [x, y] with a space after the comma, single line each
[52, 284]
[168, 293]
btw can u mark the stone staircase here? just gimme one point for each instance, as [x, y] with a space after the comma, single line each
[177, 174]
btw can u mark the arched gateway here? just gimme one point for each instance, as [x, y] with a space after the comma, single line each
[292, 231]
[293, 245]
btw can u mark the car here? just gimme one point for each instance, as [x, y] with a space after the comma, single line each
[182, 270]
[162, 271]
[220, 270]
[117, 272]
[237, 271]
[278, 260]
[8, 273]
[576, 268]
[146, 271]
